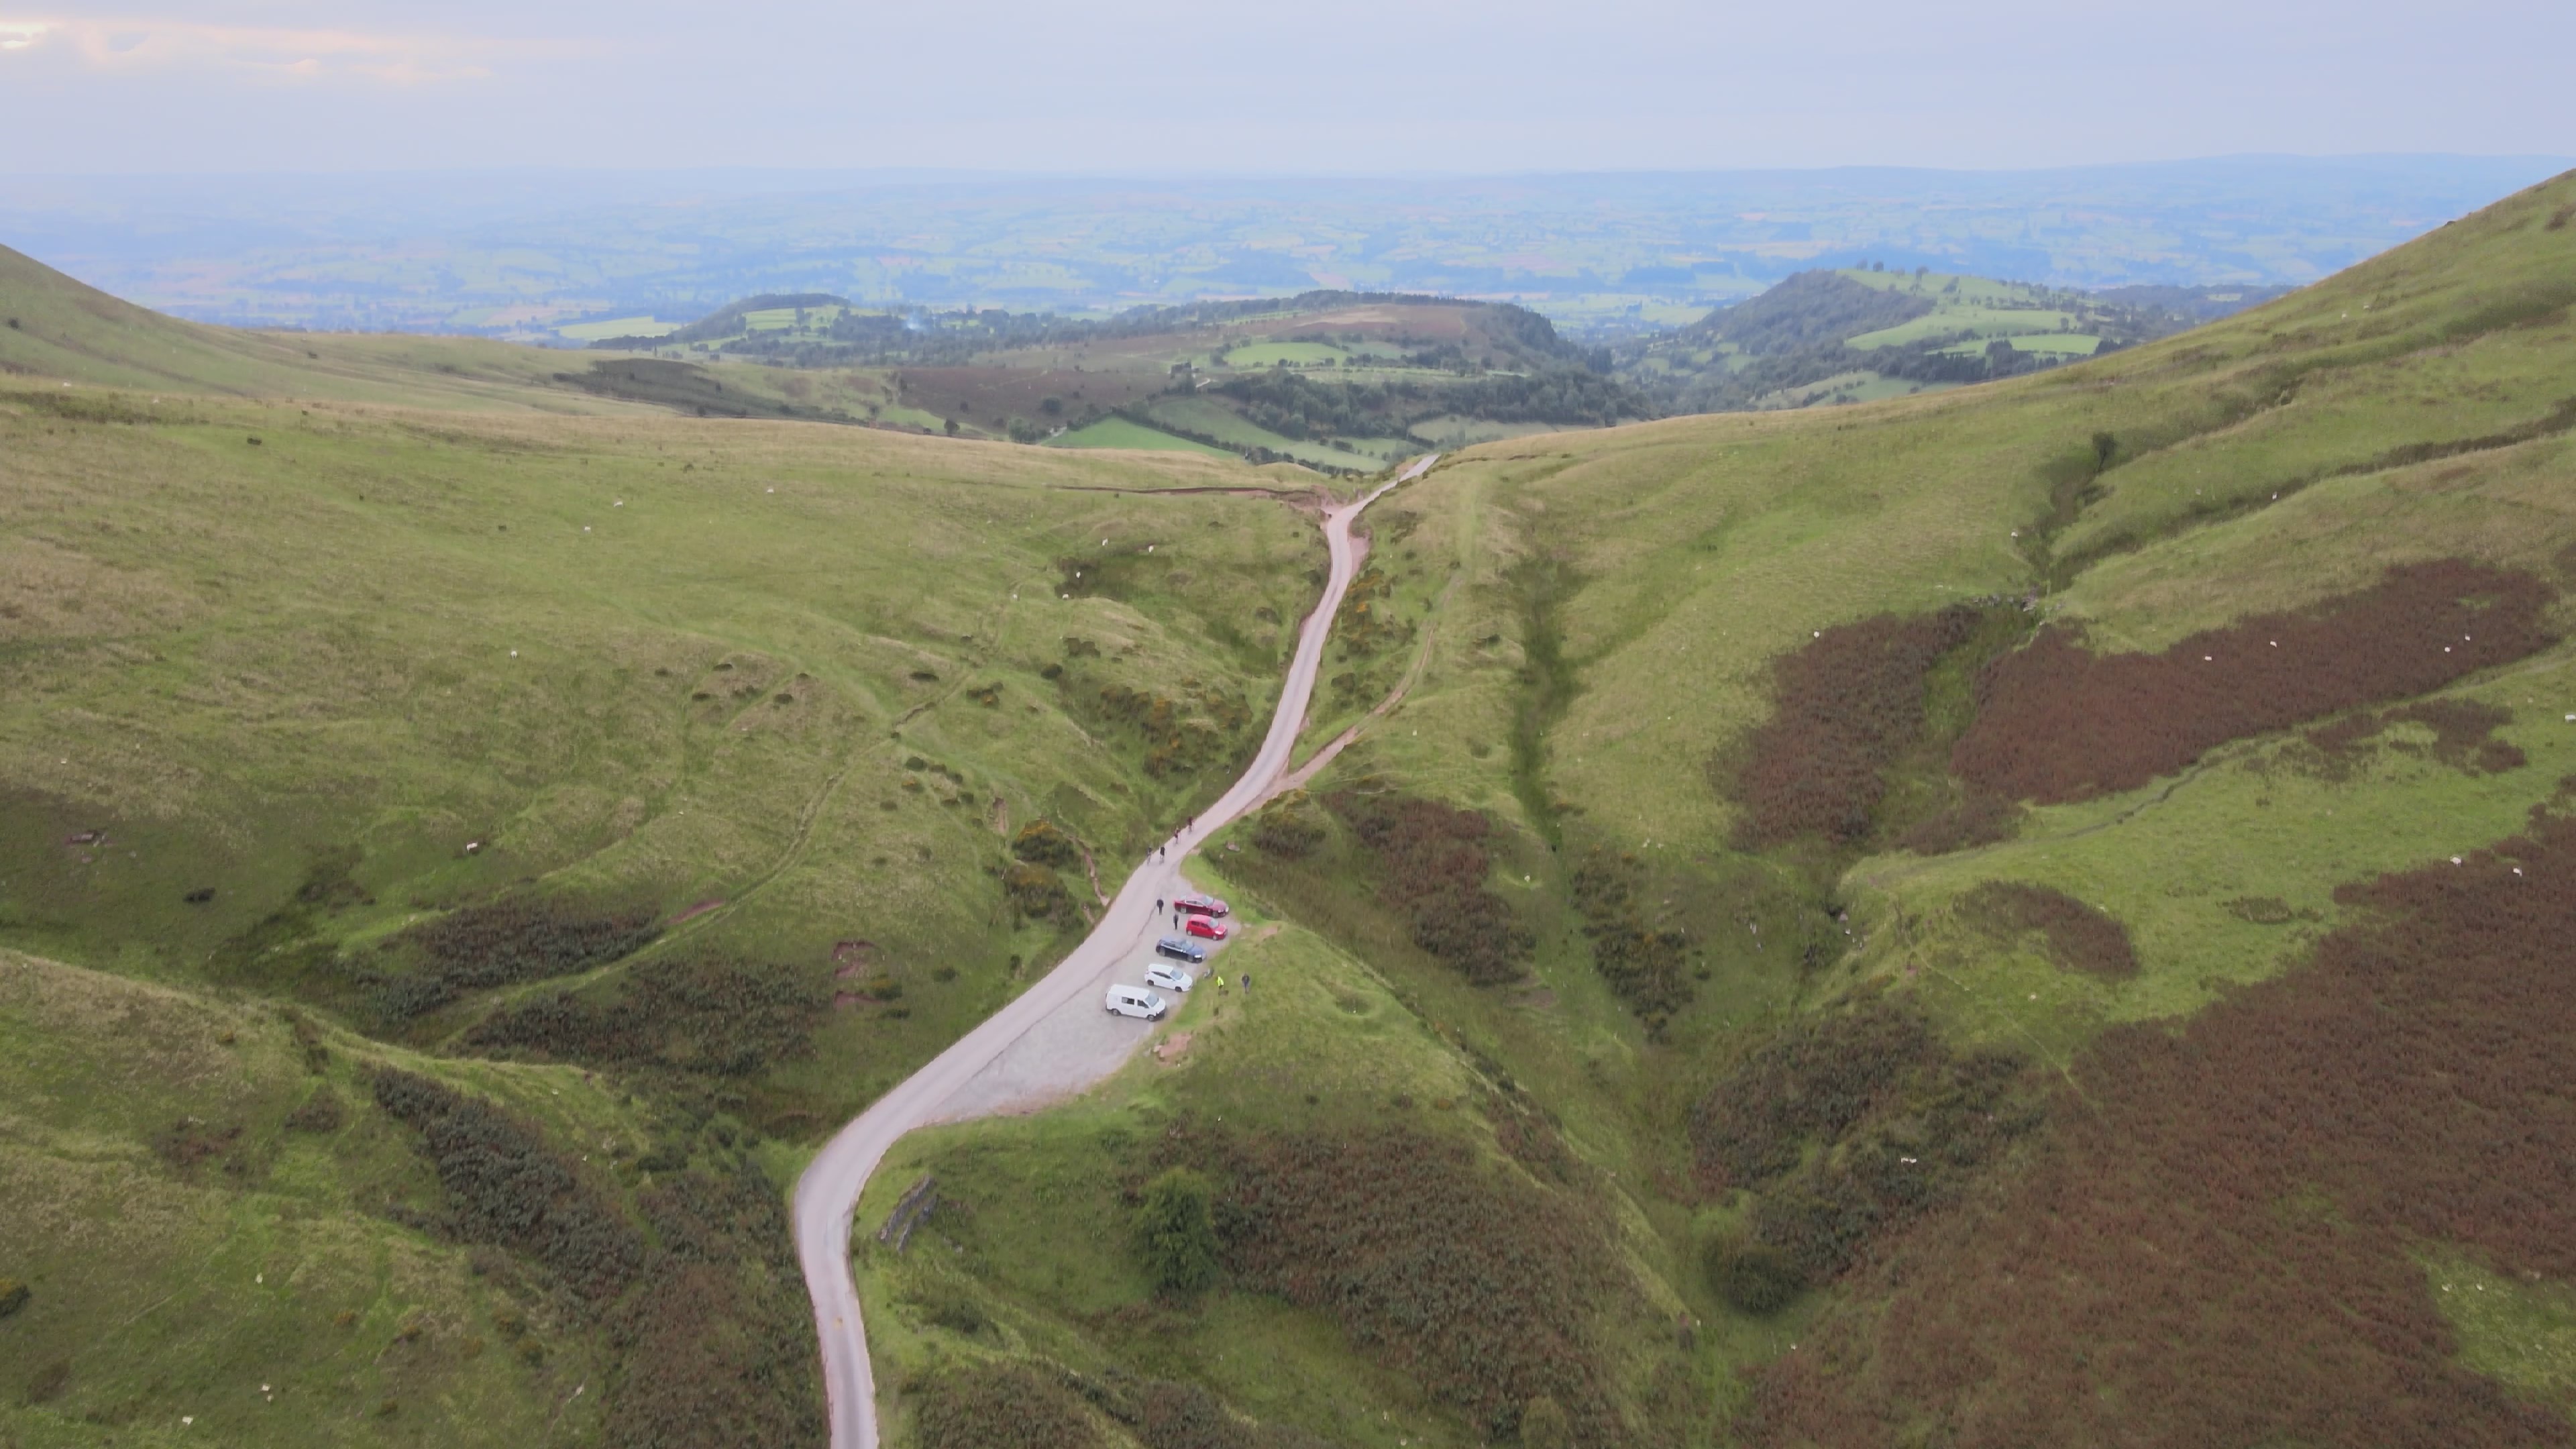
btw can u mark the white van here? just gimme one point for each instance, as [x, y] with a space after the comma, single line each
[1137, 1001]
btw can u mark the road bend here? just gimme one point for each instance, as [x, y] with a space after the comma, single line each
[828, 1193]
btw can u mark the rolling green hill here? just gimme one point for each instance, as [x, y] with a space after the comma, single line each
[2025, 914]
[670, 764]
[1860, 334]
[1342, 382]
[1871, 885]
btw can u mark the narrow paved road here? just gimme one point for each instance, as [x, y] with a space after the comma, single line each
[829, 1191]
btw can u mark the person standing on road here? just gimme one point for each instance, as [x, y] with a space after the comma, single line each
[1158, 905]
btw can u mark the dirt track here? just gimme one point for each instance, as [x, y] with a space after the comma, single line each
[1051, 1041]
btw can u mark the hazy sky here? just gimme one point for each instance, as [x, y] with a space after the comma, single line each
[1330, 86]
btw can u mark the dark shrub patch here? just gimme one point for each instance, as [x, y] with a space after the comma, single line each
[1175, 1232]
[500, 944]
[2221, 1244]
[2056, 723]
[1849, 702]
[1002, 1406]
[1752, 1277]
[1476, 1282]
[1196, 730]
[698, 1014]
[1288, 827]
[1647, 966]
[2080, 938]
[47, 1384]
[1979, 819]
[2463, 736]
[188, 1143]
[716, 1342]
[320, 1113]
[506, 1187]
[1813, 1081]
[1185, 1416]
[1043, 842]
[1432, 864]
[13, 1296]
[1037, 895]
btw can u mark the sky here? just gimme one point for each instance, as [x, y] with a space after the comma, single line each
[1214, 87]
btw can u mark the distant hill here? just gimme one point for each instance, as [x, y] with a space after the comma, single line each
[1860, 333]
[1337, 380]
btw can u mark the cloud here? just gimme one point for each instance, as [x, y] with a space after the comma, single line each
[133, 46]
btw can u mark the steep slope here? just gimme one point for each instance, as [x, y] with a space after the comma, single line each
[2000, 904]
[723, 770]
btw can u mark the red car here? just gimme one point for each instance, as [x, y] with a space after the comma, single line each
[1202, 926]
[1200, 906]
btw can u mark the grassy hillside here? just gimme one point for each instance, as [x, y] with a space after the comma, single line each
[1861, 334]
[693, 757]
[1926, 871]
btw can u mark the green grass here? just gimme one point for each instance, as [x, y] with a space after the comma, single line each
[1982, 322]
[2513, 1330]
[1295, 354]
[273, 1304]
[1117, 432]
[617, 327]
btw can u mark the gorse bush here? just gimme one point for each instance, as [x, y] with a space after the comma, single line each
[1647, 966]
[1476, 1282]
[699, 1014]
[1176, 1233]
[505, 1186]
[1037, 894]
[1043, 842]
[502, 943]
[1289, 827]
[2057, 723]
[1812, 1081]
[1432, 863]
[2220, 1240]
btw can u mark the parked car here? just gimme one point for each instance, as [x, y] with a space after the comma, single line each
[1200, 906]
[1181, 948]
[1202, 927]
[1136, 1001]
[1170, 978]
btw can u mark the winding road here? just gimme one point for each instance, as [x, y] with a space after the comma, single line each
[971, 1077]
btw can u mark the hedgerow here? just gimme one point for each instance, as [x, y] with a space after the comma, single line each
[1848, 702]
[2056, 722]
[2222, 1244]
[1431, 867]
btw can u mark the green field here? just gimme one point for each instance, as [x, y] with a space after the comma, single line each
[616, 327]
[1295, 354]
[1116, 432]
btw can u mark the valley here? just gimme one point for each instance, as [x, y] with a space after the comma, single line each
[1982, 914]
